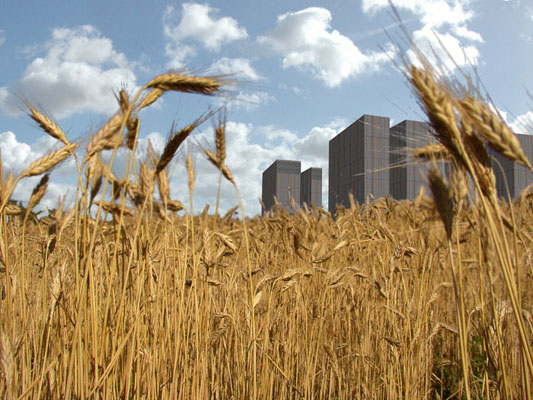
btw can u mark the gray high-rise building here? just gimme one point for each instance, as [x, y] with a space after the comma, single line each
[408, 175]
[311, 187]
[282, 180]
[511, 177]
[359, 161]
[522, 176]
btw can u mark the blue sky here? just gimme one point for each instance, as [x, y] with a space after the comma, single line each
[304, 71]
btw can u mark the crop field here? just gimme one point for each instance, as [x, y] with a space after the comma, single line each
[429, 299]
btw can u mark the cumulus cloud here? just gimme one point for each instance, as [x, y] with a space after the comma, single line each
[314, 146]
[78, 74]
[306, 41]
[15, 155]
[433, 13]
[198, 24]
[246, 100]
[241, 68]
[442, 50]
[523, 123]
[464, 32]
[445, 48]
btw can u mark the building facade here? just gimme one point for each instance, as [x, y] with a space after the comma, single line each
[359, 162]
[511, 177]
[281, 180]
[311, 187]
[521, 175]
[408, 175]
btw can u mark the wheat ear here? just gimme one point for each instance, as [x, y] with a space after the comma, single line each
[174, 142]
[37, 194]
[48, 125]
[220, 165]
[163, 185]
[104, 136]
[439, 109]
[206, 85]
[151, 97]
[190, 173]
[7, 363]
[442, 197]
[492, 128]
[48, 161]
[220, 137]
[435, 151]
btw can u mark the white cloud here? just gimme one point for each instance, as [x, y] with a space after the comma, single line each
[197, 24]
[433, 13]
[241, 68]
[468, 34]
[442, 50]
[2, 37]
[306, 41]
[246, 100]
[448, 19]
[78, 74]
[314, 146]
[523, 123]
[15, 155]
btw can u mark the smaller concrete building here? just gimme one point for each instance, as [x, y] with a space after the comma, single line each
[281, 180]
[311, 187]
[511, 177]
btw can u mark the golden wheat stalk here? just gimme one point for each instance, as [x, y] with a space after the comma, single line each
[435, 151]
[103, 137]
[206, 85]
[220, 137]
[439, 109]
[94, 173]
[151, 97]
[164, 187]
[13, 209]
[135, 193]
[123, 101]
[48, 125]
[442, 197]
[174, 205]
[174, 142]
[190, 173]
[7, 364]
[115, 209]
[492, 128]
[37, 194]
[48, 161]
[133, 131]
[146, 179]
[223, 168]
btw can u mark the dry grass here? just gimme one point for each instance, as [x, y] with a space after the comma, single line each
[384, 301]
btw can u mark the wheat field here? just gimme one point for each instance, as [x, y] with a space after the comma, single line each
[427, 299]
